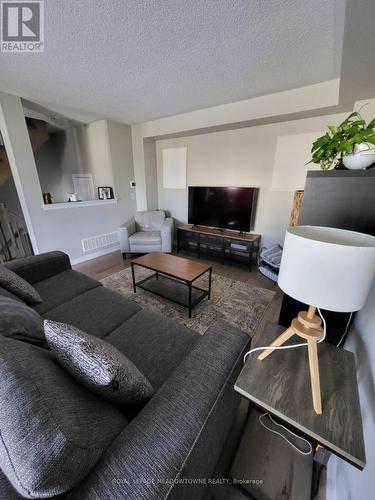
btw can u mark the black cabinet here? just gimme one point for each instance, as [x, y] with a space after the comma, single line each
[336, 198]
[340, 198]
[226, 245]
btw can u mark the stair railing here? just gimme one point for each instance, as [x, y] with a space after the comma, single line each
[14, 237]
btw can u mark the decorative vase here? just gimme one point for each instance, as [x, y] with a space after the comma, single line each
[358, 162]
[363, 156]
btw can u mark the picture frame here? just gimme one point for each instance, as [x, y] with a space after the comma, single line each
[105, 193]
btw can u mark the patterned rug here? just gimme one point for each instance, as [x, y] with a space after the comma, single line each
[239, 303]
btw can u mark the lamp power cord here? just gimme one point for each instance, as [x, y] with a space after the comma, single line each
[282, 435]
[255, 349]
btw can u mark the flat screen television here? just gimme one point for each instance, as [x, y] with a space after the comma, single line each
[223, 207]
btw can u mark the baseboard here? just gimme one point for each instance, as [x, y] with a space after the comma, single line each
[94, 255]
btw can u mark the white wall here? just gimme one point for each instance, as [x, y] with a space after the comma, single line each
[271, 157]
[301, 99]
[64, 229]
[345, 482]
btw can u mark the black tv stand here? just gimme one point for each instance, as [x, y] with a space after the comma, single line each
[225, 244]
[195, 226]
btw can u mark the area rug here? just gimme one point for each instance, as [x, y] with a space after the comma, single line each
[239, 303]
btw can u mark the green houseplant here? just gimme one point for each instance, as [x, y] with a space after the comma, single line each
[352, 138]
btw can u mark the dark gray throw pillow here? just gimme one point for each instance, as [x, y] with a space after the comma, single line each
[17, 320]
[97, 364]
[17, 285]
[52, 430]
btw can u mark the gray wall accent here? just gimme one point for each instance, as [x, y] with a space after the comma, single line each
[66, 152]
[345, 482]
[49, 171]
[120, 147]
[149, 146]
[73, 151]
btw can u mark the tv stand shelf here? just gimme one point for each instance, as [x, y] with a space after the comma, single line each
[227, 245]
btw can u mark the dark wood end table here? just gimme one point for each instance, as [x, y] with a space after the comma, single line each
[280, 385]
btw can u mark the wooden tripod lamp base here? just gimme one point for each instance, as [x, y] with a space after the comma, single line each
[307, 326]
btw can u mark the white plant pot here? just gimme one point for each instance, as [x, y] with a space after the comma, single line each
[363, 157]
[359, 161]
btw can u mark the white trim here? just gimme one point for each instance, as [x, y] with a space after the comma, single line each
[78, 204]
[94, 255]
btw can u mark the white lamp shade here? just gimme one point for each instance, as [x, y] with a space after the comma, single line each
[328, 268]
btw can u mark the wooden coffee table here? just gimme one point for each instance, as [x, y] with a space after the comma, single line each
[173, 278]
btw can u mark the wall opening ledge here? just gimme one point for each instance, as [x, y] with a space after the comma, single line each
[78, 204]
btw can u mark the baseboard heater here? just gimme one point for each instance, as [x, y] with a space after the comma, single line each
[100, 241]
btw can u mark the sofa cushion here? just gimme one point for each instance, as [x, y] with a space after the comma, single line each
[98, 365]
[5, 293]
[61, 288]
[154, 343]
[150, 220]
[97, 312]
[145, 238]
[180, 433]
[17, 320]
[7, 492]
[53, 430]
[18, 286]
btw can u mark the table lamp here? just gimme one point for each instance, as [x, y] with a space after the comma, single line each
[327, 268]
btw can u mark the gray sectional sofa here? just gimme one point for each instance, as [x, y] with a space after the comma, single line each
[179, 434]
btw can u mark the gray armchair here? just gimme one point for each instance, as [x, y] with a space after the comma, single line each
[147, 232]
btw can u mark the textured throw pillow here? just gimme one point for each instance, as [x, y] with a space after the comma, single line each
[52, 430]
[17, 320]
[17, 285]
[97, 364]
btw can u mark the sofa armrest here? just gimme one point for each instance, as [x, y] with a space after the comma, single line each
[40, 267]
[180, 432]
[166, 233]
[124, 231]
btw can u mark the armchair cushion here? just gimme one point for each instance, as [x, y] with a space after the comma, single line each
[150, 220]
[124, 231]
[166, 233]
[145, 238]
[148, 231]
